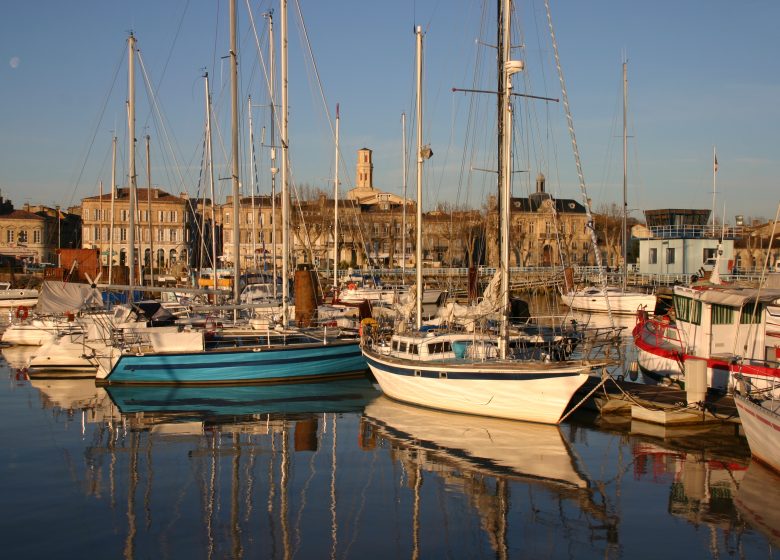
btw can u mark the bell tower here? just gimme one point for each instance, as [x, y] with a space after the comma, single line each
[365, 170]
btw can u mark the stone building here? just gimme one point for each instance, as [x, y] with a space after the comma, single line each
[161, 222]
[35, 233]
[543, 231]
[27, 236]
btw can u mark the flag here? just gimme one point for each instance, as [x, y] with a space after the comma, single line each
[715, 165]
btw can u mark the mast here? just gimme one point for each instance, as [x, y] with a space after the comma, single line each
[111, 225]
[336, 209]
[510, 67]
[285, 145]
[502, 54]
[274, 169]
[625, 175]
[149, 211]
[234, 150]
[131, 157]
[211, 185]
[252, 183]
[404, 181]
[714, 184]
[418, 251]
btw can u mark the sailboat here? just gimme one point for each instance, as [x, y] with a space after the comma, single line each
[614, 299]
[282, 354]
[464, 371]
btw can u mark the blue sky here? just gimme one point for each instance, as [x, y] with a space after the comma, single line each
[701, 74]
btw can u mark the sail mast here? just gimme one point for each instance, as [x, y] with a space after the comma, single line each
[284, 143]
[252, 183]
[336, 208]
[419, 252]
[211, 187]
[234, 149]
[404, 181]
[274, 169]
[149, 211]
[111, 224]
[510, 67]
[625, 176]
[131, 158]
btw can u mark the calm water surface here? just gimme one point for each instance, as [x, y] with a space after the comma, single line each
[337, 471]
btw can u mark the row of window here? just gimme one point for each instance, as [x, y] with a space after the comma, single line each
[163, 216]
[708, 255]
[163, 235]
[689, 311]
[22, 236]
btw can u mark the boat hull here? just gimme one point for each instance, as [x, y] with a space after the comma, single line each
[622, 304]
[255, 365]
[762, 429]
[492, 388]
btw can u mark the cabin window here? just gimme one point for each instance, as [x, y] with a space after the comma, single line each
[687, 310]
[439, 347]
[708, 256]
[722, 315]
[413, 349]
[670, 255]
[395, 345]
[748, 316]
[402, 347]
[653, 256]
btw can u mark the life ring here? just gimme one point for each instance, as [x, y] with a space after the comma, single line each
[351, 286]
[22, 312]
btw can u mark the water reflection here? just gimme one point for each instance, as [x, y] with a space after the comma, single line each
[758, 498]
[332, 470]
[479, 457]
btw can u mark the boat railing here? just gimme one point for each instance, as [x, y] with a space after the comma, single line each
[664, 330]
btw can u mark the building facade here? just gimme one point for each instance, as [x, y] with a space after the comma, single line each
[161, 224]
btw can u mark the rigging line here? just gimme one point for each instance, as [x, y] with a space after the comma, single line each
[156, 109]
[321, 89]
[170, 54]
[578, 162]
[95, 130]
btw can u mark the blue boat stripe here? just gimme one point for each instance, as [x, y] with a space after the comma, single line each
[434, 373]
[210, 364]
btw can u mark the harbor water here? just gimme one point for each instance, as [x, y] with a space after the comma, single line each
[335, 470]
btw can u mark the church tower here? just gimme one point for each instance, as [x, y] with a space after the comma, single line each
[365, 170]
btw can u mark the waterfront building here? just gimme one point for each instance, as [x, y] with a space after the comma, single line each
[682, 242]
[161, 221]
[750, 251]
[543, 230]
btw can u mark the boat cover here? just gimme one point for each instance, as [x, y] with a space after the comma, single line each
[67, 297]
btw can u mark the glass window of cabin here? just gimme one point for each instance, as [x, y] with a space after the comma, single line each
[695, 316]
[670, 255]
[708, 256]
[751, 314]
[395, 345]
[653, 256]
[413, 349]
[682, 308]
[402, 347]
[722, 315]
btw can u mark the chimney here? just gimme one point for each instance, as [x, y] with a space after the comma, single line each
[540, 183]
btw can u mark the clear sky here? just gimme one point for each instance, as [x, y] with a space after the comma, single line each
[702, 73]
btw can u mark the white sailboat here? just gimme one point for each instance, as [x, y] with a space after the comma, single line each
[468, 372]
[614, 299]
